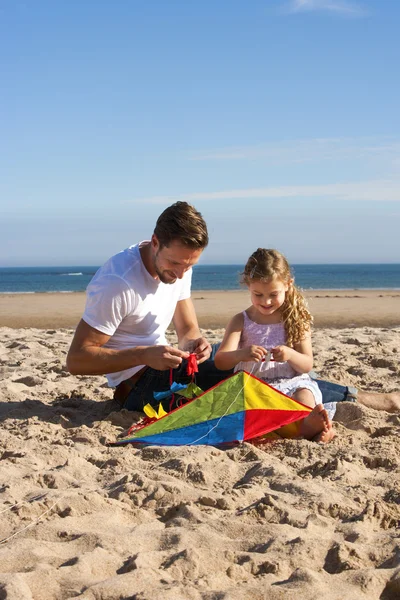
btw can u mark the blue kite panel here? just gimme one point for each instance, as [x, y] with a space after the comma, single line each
[216, 431]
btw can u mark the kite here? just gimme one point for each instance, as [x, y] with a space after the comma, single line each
[239, 408]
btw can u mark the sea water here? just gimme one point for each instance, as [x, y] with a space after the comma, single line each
[207, 277]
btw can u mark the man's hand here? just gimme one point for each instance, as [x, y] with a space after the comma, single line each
[282, 353]
[253, 353]
[162, 358]
[202, 350]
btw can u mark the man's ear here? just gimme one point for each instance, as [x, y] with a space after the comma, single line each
[155, 244]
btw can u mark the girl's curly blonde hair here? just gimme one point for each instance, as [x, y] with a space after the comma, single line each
[264, 265]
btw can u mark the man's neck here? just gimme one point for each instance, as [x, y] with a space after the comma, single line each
[147, 259]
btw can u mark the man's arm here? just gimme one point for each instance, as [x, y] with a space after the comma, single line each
[88, 356]
[188, 332]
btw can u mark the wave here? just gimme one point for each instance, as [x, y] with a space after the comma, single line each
[71, 273]
[17, 292]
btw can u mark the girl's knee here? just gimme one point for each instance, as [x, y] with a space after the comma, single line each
[305, 396]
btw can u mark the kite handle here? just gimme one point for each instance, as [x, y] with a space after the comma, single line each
[269, 357]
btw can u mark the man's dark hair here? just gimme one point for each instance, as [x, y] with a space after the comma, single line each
[183, 223]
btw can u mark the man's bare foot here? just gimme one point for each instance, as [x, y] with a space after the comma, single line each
[384, 401]
[317, 426]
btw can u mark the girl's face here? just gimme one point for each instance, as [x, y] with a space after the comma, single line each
[268, 297]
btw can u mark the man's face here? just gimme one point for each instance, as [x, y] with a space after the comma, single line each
[171, 262]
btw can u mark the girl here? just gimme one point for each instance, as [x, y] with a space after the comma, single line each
[272, 338]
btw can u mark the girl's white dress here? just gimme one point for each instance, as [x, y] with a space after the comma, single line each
[279, 375]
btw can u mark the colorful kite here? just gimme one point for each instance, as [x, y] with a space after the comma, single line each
[239, 408]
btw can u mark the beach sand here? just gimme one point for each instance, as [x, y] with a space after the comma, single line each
[81, 519]
[330, 308]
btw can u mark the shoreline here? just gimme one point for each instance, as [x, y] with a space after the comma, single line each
[212, 291]
[330, 308]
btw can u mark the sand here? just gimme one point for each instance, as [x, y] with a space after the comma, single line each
[81, 519]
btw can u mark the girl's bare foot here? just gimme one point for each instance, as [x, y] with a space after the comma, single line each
[317, 426]
[325, 436]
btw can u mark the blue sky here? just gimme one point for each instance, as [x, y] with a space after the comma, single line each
[278, 119]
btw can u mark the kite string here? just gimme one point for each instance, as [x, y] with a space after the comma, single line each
[225, 413]
[22, 502]
[28, 501]
[3, 541]
[32, 523]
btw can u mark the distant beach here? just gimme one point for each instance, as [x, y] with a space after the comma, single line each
[330, 308]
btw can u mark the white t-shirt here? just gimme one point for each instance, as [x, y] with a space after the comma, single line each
[124, 301]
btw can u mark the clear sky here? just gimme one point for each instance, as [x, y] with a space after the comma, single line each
[278, 119]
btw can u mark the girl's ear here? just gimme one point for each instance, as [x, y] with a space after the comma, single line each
[289, 284]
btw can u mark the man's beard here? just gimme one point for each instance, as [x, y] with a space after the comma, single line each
[161, 274]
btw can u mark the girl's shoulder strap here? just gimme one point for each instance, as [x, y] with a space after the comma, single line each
[246, 318]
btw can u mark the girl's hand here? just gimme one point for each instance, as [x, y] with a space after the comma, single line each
[253, 353]
[282, 353]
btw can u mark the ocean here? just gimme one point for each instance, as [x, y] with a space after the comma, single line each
[206, 277]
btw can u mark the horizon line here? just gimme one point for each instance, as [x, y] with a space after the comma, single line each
[207, 264]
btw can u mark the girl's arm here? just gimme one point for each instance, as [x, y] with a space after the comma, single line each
[229, 354]
[300, 358]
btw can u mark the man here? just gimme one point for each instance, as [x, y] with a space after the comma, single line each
[130, 303]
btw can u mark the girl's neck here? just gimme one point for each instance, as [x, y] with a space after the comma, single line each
[257, 317]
